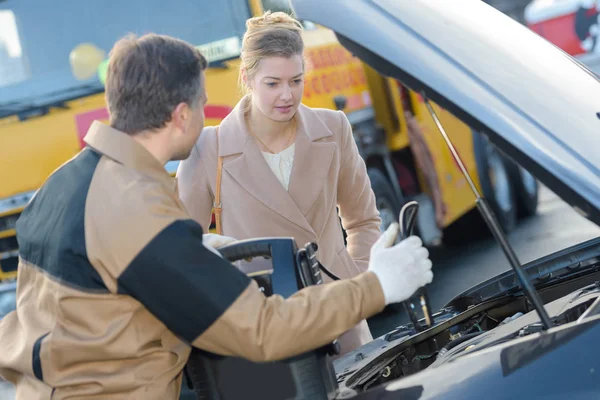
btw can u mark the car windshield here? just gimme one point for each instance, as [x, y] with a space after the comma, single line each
[37, 39]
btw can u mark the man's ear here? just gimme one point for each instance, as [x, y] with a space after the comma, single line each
[180, 115]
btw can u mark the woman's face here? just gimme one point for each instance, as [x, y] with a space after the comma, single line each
[277, 87]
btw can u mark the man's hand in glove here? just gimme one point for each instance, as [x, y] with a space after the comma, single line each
[213, 241]
[401, 269]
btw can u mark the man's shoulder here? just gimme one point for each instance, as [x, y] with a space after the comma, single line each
[120, 193]
[126, 210]
[64, 189]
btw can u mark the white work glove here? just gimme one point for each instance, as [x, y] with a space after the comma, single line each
[213, 241]
[401, 269]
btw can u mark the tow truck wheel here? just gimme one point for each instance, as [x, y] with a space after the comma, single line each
[526, 189]
[387, 203]
[495, 179]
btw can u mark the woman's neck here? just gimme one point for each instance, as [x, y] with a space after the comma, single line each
[274, 135]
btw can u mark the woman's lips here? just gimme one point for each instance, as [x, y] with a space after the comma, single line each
[284, 110]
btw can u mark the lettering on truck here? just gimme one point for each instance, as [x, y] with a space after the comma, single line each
[333, 70]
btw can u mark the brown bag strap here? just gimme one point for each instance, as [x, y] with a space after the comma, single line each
[217, 210]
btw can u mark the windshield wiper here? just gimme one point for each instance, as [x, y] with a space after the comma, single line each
[42, 104]
[29, 110]
[494, 226]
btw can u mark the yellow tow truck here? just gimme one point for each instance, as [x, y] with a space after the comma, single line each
[52, 56]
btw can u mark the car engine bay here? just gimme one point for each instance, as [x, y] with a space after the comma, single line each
[464, 329]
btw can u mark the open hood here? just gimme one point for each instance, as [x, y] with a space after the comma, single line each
[535, 103]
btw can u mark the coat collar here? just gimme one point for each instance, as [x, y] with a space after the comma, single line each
[237, 137]
[122, 148]
[312, 161]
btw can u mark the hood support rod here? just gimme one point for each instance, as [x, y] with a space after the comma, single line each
[492, 222]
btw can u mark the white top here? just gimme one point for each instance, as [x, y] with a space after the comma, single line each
[281, 164]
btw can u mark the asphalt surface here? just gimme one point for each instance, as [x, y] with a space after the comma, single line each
[555, 227]
[7, 391]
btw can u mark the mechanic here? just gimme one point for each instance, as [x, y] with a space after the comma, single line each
[115, 283]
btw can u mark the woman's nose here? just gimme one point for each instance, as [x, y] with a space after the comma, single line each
[286, 93]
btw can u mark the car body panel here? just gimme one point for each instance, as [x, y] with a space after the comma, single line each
[548, 366]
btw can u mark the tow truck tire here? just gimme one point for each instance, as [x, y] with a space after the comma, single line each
[496, 185]
[526, 189]
[386, 200]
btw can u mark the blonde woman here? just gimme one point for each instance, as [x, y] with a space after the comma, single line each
[285, 167]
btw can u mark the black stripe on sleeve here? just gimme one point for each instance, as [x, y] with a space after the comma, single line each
[36, 359]
[181, 282]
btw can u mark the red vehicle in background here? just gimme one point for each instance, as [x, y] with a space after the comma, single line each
[572, 25]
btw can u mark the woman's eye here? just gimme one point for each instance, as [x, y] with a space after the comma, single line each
[271, 84]
[297, 81]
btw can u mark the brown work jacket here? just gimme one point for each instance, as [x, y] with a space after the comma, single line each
[115, 286]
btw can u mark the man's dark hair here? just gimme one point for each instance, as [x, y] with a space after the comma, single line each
[148, 77]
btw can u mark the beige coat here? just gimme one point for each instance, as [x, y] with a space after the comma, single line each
[328, 172]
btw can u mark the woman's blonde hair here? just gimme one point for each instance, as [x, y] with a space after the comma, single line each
[274, 34]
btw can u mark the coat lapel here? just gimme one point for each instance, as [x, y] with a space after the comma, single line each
[312, 160]
[251, 171]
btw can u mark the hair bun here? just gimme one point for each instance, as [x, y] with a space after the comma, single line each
[270, 19]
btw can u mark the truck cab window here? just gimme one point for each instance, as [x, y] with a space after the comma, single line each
[12, 63]
[34, 71]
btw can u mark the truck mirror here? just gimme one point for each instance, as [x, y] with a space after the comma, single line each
[340, 102]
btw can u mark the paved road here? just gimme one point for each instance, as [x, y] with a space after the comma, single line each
[555, 227]
[7, 391]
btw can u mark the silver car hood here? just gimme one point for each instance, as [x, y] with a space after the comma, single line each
[536, 103]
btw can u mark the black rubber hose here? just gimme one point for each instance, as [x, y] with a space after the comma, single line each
[329, 273]
[456, 342]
